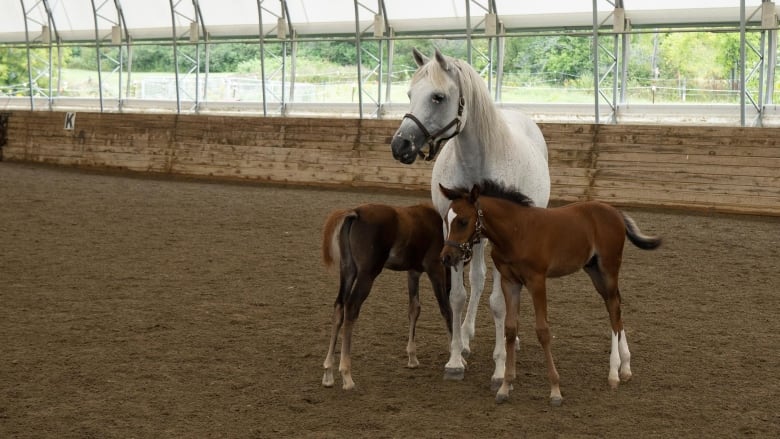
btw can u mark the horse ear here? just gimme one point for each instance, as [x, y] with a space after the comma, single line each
[419, 58]
[449, 193]
[441, 60]
[474, 194]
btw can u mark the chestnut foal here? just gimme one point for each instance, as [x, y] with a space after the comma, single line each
[530, 244]
[363, 241]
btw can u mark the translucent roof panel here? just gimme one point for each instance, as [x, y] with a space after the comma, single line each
[74, 19]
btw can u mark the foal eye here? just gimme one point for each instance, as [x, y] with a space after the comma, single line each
[463, 222]
[437, 98]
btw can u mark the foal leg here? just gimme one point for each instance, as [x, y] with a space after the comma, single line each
[619, 356]
[346, 283]
[413, 282]
[456, 365]
[511, 295]
[538, 292]
[351, 311]
[477, 271]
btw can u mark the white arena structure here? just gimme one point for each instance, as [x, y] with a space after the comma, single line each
[41, 30]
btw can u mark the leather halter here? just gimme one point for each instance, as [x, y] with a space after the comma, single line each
[467, 247]
[431, 138]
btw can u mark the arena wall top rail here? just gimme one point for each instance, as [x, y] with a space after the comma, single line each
[713, 168]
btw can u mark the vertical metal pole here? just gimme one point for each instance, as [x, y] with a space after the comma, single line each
[29, 58]
[262, 54]
[615, 78]
[596, 58]
[742, 113]
[175, 57]
[468, 32]
[97, 53]
[359, 59]
[770, 67]
[626, 54]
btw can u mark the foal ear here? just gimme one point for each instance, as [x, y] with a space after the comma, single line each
[442, 60]
[450, 194]
[419, 58]
[474, 194]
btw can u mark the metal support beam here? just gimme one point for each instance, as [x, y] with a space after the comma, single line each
[50, 37]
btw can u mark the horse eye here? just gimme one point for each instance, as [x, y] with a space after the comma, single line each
[437, 98]
[463, 222]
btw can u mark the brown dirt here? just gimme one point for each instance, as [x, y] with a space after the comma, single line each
[139, 307]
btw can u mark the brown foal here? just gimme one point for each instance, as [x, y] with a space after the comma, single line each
[363, 241]
[531, 244]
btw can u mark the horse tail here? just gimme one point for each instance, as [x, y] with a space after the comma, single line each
[636, 236]
[331, 232]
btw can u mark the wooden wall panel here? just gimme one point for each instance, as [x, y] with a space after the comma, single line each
[726, 169]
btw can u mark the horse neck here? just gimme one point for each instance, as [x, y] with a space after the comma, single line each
[483, 129]
[501, 220]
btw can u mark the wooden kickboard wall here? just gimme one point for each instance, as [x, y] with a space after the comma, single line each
[724, 169]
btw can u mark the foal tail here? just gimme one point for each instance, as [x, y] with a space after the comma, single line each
[331, 231]
[637, 237]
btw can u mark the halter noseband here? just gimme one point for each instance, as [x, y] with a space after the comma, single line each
[431, 138]
[467, 247]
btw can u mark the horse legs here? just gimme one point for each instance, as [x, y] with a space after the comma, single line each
[477, 271]
[456, 365]
[499, 306]
[511, 296]
[413, 282]
[440, 280]
[346, 283]
[352, 306]
[620, 356]
[538, 291]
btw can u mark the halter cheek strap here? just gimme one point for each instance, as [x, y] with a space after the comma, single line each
[467, 247]
[432, 139]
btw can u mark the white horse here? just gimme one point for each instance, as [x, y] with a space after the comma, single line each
[450, 102]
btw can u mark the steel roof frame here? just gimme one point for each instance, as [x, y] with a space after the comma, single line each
[765, 68]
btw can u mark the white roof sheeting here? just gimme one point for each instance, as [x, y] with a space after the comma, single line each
[151, 19]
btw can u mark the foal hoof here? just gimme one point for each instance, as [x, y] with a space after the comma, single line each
[502, 398]
[556, 401]
[495, 383]
[454, 373]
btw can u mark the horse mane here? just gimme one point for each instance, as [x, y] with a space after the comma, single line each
[488, 121]
[492, 188]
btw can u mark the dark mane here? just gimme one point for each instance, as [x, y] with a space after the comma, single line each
[490, 188]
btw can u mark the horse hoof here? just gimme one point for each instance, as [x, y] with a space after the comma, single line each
[495, 383]
[625, 376]
[501, 398]
[327, 379]
[556, 401]
[413, 364]
[453, 374]
[613, 383]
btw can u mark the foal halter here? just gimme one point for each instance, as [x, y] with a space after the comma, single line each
[467, 247]
[431, 138]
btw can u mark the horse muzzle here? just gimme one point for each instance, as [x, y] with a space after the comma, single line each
[454, 253]
[404, 150]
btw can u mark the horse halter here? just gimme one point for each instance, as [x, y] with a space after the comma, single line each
[467, 247]
[431, 138]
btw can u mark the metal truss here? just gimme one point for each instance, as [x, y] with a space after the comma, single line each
[374, 58]
[284, 34]
[608, 54]
[494, 58]
[109, 47]
[189, 54]
[48, 28]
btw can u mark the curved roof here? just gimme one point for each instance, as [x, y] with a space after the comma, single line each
[74, 20]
